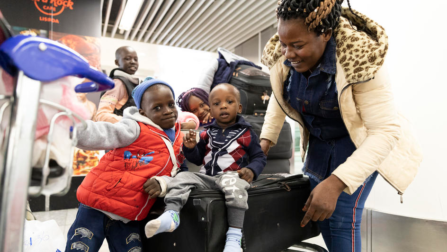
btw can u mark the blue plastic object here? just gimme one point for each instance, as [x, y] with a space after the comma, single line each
[46, 60]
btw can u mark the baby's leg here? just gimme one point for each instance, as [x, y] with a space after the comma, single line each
[178, 193]
[236, 197]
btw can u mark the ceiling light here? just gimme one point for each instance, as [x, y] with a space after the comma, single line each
[130, 14]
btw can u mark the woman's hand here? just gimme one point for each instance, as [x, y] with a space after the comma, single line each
[265, 146]
[190, 139]
[322, 200]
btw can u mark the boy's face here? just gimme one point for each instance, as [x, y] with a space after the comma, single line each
[158, 105]
[225, 104]
[128, 60]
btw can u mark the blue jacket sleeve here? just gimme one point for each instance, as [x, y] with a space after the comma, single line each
[256, 155]
[183, 167]
[196, 154]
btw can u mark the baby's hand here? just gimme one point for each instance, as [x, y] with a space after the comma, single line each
[152, 188]
[190, 139]
[246, 174]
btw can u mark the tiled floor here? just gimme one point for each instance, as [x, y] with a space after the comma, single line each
[65, 218]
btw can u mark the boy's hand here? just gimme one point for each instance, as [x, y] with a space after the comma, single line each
[188, 125]
[190, 139]
[152, 188]
[246, 174]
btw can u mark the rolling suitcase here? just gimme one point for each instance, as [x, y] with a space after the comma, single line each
[272, 223]
[283, 149]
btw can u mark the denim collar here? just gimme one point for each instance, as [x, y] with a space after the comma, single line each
[328, 62]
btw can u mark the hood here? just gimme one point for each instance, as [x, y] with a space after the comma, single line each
[360, 53]
[133, 114]
[132, 78]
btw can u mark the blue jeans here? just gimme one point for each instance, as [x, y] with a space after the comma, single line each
[91, 227]
[341, 232]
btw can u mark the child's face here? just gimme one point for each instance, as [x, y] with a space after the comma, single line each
[158, 105]
[128, 60]
[198, 107]
[225, 104]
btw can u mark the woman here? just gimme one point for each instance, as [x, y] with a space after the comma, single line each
[195, 100]
[326, 73]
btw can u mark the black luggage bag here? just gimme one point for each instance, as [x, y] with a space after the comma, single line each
[283, 149]
[272, 223]
[254, 86]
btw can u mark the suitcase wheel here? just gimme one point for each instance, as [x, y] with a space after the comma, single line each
[305, 247]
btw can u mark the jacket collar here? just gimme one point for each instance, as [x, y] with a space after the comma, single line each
[240, 122]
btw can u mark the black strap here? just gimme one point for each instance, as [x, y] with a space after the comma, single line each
[130, 86]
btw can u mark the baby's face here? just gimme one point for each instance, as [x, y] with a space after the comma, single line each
[158, 105]
[225, 105]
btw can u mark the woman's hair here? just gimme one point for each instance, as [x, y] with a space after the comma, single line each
[183, 98]
[319, 15]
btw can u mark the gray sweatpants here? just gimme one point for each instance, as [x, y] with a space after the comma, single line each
[235, 190]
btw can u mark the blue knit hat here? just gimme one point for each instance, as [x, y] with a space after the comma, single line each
[138, 92]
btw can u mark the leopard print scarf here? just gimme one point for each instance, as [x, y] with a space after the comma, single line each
[359, 54]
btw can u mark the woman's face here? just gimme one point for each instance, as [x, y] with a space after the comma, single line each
[198, 107]
[302, 48]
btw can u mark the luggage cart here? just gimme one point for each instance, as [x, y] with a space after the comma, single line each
[32, 61]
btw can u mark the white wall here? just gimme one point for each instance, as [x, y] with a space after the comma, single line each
[181, 68]
[416, 62]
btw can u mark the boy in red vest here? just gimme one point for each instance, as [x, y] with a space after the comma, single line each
[115, 195]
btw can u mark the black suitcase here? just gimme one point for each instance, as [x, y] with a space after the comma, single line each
[283, 148]
[254, 86]
[272, 223]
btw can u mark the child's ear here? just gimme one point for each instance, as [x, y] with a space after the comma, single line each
[142, 112]
[117, 63]
[240, 109]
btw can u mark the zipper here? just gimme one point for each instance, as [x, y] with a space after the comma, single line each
[278, 186]
[117, 183]
[286, 112]
[401, 194]
[339, 105]
[220, 149]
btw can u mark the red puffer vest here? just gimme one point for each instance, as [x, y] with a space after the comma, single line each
[116, 184]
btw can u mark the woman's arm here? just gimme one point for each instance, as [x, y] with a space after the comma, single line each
[273, 122]
[375, 103]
